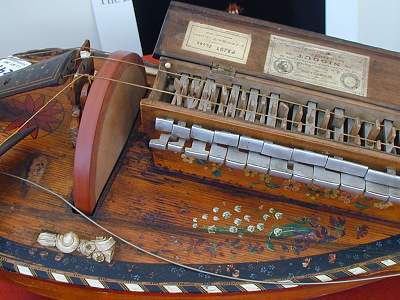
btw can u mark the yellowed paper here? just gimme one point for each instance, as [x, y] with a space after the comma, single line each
[217, 42]
[317, 65]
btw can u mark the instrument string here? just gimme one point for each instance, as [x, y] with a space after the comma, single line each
[40, 110]
[185, 266]
[228, 87]
[131, 244]
[240, 109]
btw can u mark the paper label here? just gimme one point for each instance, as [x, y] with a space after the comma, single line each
[318, 65]
[217, 42]
[11, 64]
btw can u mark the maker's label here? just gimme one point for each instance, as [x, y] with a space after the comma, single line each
[11, 64]
[217, 42]
[318, 65]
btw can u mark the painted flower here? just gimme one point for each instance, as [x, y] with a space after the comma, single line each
[361, 231]
[278, 231]
[278, 215]
[332, 258]
[237, 221]
[226, 214]
[265, 178]
[47, 120]
[237, 208]
[383, 204]
[306, 262]
[251, 228]
[233, 229]
[292, 185]
[332, 194]
[187, 159]
[212, 229]
[346, 197]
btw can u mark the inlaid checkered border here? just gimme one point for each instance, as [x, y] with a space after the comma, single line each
[226, 287]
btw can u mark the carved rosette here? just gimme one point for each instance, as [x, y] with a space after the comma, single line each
[100, 249]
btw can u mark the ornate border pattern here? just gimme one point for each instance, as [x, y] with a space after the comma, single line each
[18, 258]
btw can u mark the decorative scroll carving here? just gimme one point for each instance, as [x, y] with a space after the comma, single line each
[100, 249]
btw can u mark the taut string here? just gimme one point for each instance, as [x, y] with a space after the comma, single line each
[184, 266]
[238, 109]
[221, 85]
[40, 109]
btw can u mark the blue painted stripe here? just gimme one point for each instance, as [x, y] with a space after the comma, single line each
[41, 274]
[192, 289]
[76, 280]
[114, 286]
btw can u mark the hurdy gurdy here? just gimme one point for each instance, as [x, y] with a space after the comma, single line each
[264, 160]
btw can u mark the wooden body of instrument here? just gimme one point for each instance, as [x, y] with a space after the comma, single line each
[194, 180]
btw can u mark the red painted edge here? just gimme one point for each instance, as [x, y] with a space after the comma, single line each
[90, 127]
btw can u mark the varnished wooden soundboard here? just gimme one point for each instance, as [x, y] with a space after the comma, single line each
[158, 210]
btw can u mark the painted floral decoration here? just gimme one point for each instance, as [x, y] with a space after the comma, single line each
[47, 120]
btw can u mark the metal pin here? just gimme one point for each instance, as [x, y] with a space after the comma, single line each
[160, 143]
[325, 178]
[217, 154]
[250, 144]
[308, 157]
[236, 159]
[164, 125]
[257, 162]
[276, 151]
[198, 150]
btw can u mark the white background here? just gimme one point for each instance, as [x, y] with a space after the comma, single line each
[32, 24]
[372, 22]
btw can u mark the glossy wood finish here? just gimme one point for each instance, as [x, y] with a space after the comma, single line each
[66, 292]
[155, 209]
[110, 110]
[384, 65]
[180, 217]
